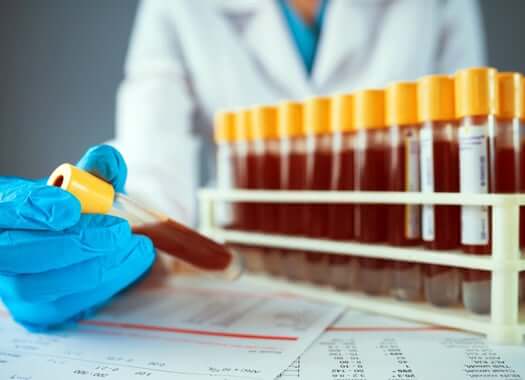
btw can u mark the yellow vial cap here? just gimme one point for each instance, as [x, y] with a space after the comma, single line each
[265, 123]
[291, 119]
[343, 113]
[369, 109]
[244, 125]
[509, 91]
[476, 92]
[225, 127]
[401, 103]
[95, 195]
[435, 98]
[317, 115]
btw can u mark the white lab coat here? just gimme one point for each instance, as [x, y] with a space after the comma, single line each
[189, 58]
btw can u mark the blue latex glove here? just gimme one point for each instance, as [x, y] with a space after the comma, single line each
[56, 265]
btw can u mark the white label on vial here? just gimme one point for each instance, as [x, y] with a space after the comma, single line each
[427, 181]
[360, 140]
[225, 182]
[412, 216]
[310, 149]
[473, 175]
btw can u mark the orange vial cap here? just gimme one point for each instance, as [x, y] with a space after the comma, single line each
[290, 119]
[317, 115]
[476, 92]
[95, 195]
[265, 123]
[225, 126]
[435, 98]
[369, 109]
[343, 113]
[509, 91]
[244, 125]
[401, 103]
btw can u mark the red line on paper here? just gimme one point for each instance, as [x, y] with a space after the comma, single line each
[175, 330]
[96, 331]
[388, 328]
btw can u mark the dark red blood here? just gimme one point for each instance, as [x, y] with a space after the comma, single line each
[321, 179]
[183, 243]
[292, 215]
[269, 176]
[341, 216]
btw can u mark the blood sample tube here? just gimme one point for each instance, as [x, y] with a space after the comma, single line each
[246, 178]
[439, 168]
[227, 215]
[505, 169]
[267, 163]
[268, 172]
[251, 180]
[293, 177]
[168, 236]
[370, 223]
[319, 164]
[342, 268]
[522, 179]
[404, 227]
[476, 104]
[505, 141]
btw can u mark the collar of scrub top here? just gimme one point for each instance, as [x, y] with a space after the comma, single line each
[305, 36]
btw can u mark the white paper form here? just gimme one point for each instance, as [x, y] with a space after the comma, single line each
[191, 329]
[366, 346]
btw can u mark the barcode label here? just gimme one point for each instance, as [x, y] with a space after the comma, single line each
[473, 173]
[427, 181]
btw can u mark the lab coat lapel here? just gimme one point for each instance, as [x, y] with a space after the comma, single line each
[344, 33]
[268, 39]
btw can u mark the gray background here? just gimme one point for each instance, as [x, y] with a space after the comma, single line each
[61, 62]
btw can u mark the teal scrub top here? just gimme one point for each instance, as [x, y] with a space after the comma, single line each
[306, 37]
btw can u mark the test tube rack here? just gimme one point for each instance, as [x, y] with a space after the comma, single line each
[503, 325]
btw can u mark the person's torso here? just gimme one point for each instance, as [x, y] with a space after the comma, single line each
[240, 53]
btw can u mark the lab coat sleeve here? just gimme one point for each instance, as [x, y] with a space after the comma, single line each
[155, 107]
[461, 36]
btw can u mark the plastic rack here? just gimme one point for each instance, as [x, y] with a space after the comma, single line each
[505, 324]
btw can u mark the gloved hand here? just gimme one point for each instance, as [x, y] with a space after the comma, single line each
[57, 265]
